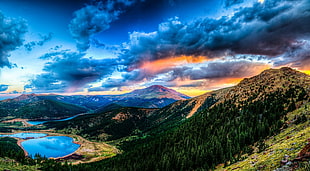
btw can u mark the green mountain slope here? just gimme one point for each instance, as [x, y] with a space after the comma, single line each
[47, 109]
[135, 121]
[248, 113]
[151, 121]
[107, 125]
[282, 150]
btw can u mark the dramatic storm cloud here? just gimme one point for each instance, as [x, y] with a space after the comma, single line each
[11, 37]
[94, 19]
[124, 44]
[216, 70]
[228, 69]
[268, 29]
[70, 71]
[297, 56]
[272, 29]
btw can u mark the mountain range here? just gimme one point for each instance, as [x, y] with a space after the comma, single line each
[242, 127]
[152, 97]
[255, 88]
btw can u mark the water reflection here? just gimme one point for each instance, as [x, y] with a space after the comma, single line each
[55, 146]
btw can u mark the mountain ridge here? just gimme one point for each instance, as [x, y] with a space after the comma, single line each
[48, 109]
[151, 97]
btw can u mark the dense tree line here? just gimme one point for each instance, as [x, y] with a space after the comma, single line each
[43, 109]
[114, 124]
[9, 148]
[47, 109]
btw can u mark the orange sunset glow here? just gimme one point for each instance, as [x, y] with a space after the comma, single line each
[163, 64]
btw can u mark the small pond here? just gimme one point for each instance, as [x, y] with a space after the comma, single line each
[54, 146]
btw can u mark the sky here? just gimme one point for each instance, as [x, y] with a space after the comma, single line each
[115, 46]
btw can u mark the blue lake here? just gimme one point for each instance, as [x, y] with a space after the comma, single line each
[42, 122]
[55, 146]
[25, 135]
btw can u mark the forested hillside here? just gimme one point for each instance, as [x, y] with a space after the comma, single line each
[40, 109]
[219, 134]
[107, 125]
[48, 109]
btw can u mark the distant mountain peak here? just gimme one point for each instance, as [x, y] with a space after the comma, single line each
[24, 97]
[158, 87]
[157, 91]
[28, 95]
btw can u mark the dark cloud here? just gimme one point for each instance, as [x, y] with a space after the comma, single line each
[267, 29]
[219, 70]
[46, 82]
[229, 3]
[44, 38]
[70, 71]
[298, 56]
[3, 87]
[11, 37]
[208, 76]
[95, 18]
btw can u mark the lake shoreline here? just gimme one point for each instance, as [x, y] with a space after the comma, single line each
[94, 151]
[19, 143]
[50, 146]
[20, 140]
[68, 155]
